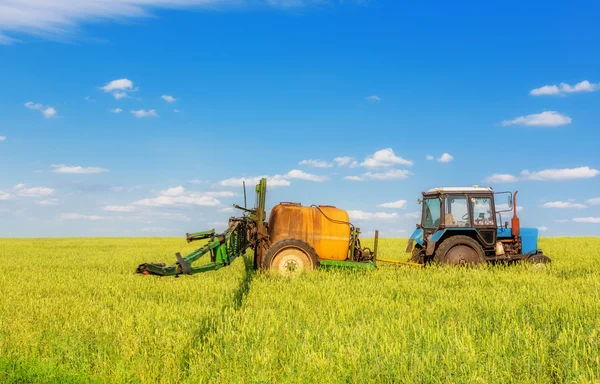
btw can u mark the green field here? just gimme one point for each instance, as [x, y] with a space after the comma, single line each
[73, 310]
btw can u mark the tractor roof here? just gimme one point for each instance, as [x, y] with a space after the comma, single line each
[474, 188]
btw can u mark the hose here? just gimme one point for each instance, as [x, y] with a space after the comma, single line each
[332, 220]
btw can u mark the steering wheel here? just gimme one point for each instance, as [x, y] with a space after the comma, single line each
[465, 216]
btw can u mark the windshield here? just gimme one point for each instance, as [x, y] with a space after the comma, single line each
[431, 213]
[457, 212]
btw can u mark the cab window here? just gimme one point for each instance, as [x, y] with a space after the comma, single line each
[482, 211]
[456, 212]
[431, 213]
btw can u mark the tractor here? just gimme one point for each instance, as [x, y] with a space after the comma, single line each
[295, 239]
[461, 226]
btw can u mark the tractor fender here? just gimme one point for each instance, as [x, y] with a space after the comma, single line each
[416, 236]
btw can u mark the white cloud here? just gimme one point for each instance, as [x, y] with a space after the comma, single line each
[583, 86]
[220, 194]
[176, 110]
[445, 158]
[119, 88]
[545, 90]
[116, 110]
[168, 99]
[547, 119]
[594, 201]
[367, 216]
[542, 229]
[593, 220]
[61, 168]
[5, 196]
[561, 174]
[46, 111]
[429, 157]
[120, 188]
[392, 174]
[58, 19]
[343, 161]
[412, 215]
[297, 174]
[175, 191]
[119, 95]
[49, 112]
[118, 85]
[395, 204]
[561, 221]
[119, 208]
[21, 190]
[316, 163]
[373, 98]
[384, 158]
[178, 196]
[34, 106]
[77, 216]
[562, 204]
[227, 209]
[2, 138]
[48, 202]
[143, 113]
[353, 178]
[272, 181]
[501, 178]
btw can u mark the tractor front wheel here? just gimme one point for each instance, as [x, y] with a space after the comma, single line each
[418, 255]
[291, 257]
[459, 250]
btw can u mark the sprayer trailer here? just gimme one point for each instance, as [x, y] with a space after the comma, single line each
[296, 238]
[461, 225]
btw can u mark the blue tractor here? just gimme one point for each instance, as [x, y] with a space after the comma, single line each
[462, 225]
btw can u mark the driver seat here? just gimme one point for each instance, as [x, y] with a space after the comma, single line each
[449, 219]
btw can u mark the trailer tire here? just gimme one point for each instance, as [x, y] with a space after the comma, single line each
[291, 257]
[459, 250]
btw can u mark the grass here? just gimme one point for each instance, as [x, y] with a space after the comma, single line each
[73, 311]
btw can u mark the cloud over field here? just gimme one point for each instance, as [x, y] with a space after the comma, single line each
[562, 88]
[544, 119]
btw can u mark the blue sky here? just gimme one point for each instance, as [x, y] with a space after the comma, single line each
[138, 117]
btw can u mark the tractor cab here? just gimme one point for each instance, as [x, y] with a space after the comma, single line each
[463, 225]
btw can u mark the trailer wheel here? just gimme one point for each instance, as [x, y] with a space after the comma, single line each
[291, 257]
[459, 250]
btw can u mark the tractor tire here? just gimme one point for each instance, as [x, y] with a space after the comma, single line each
[459, 250]
[418, 255]
[538, 259]
[290, 257]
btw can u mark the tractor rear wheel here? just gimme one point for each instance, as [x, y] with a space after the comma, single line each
[459, 250]
[290, 257]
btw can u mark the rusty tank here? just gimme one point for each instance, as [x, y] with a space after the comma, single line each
[324, 227]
